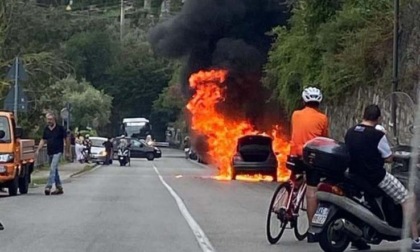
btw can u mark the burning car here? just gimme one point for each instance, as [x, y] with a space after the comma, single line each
[254, 155]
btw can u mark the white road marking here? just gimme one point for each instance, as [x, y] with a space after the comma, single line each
[201, 237]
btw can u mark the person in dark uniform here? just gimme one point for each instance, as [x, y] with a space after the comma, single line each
[55, 137]
[108, 148]
[88, 145]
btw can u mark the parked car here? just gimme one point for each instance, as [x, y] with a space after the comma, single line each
[141, 149]
[97, 151]
[254, 155]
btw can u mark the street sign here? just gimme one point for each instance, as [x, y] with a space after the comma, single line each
[22, 100]
[22, 75]
[64, 113]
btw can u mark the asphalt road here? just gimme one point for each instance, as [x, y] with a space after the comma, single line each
[135, 209]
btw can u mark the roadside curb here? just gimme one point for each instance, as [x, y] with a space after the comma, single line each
[205, 166]
[67, 179]
[81, 172]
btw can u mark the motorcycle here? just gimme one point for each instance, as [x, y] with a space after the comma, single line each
[349, 209]
[192, 155]
[187, 152]
[124, 156]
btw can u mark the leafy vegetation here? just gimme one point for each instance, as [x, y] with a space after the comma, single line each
[78, 57]
[89, 105]
[169, 106]
[335, 45]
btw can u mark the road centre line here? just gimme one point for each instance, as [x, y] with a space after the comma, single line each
[199, 234]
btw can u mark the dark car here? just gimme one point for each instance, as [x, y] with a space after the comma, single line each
[139, 149]
[254, 155]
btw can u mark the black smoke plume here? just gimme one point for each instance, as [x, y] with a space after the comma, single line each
[228, 34]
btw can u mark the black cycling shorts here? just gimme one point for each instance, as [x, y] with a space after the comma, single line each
[312, 177]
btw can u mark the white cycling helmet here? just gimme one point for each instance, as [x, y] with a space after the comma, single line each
[312, 94]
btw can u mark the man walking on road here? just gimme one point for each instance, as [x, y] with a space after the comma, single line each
[108, 148]
[55, 136]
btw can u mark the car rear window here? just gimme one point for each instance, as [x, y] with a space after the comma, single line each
[254, 140]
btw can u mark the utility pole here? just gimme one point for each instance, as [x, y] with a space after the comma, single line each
[395, 77]
[69, 115]
[122, 20]
[15, 105]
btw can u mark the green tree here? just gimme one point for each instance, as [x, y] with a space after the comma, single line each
[90, 53]
[55, 43]
[334, 46]
[136, 79]
[168, 107]
[37, 34]
[89, 105]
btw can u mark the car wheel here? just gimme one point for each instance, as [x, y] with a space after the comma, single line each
[150, 156]
[233, 174]
[24, 184]
[275, 177]
[13, 186]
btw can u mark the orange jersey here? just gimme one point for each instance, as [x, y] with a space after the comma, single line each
[307, 124]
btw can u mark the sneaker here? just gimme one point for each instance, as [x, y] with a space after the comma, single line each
[415, 246]
[47, 191]
[1, 227]
[313, 238]
[360, 245]
[58, 191]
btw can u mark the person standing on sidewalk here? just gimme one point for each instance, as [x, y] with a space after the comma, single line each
[55, 137]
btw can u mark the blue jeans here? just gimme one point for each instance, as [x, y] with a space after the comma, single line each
[54, 176]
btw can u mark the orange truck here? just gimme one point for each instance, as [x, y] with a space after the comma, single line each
[17, 156]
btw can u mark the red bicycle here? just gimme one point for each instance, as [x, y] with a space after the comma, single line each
[288, 205]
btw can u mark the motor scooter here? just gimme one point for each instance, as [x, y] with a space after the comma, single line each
[350, 209]
[124, 156]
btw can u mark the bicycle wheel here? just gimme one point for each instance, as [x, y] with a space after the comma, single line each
[277, 220]
[301, 226]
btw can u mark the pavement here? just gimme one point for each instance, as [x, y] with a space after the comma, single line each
[169, 204]
[66, 171]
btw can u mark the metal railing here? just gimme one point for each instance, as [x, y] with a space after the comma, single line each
[42, 158]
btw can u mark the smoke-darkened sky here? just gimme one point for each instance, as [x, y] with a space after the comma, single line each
[229, 34]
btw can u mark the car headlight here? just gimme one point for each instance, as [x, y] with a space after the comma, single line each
[102, 153]
[157, 149]
[6, 157]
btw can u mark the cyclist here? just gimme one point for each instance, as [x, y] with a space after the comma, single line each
[307, 124]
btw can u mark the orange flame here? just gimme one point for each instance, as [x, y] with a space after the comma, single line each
[222, 132]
